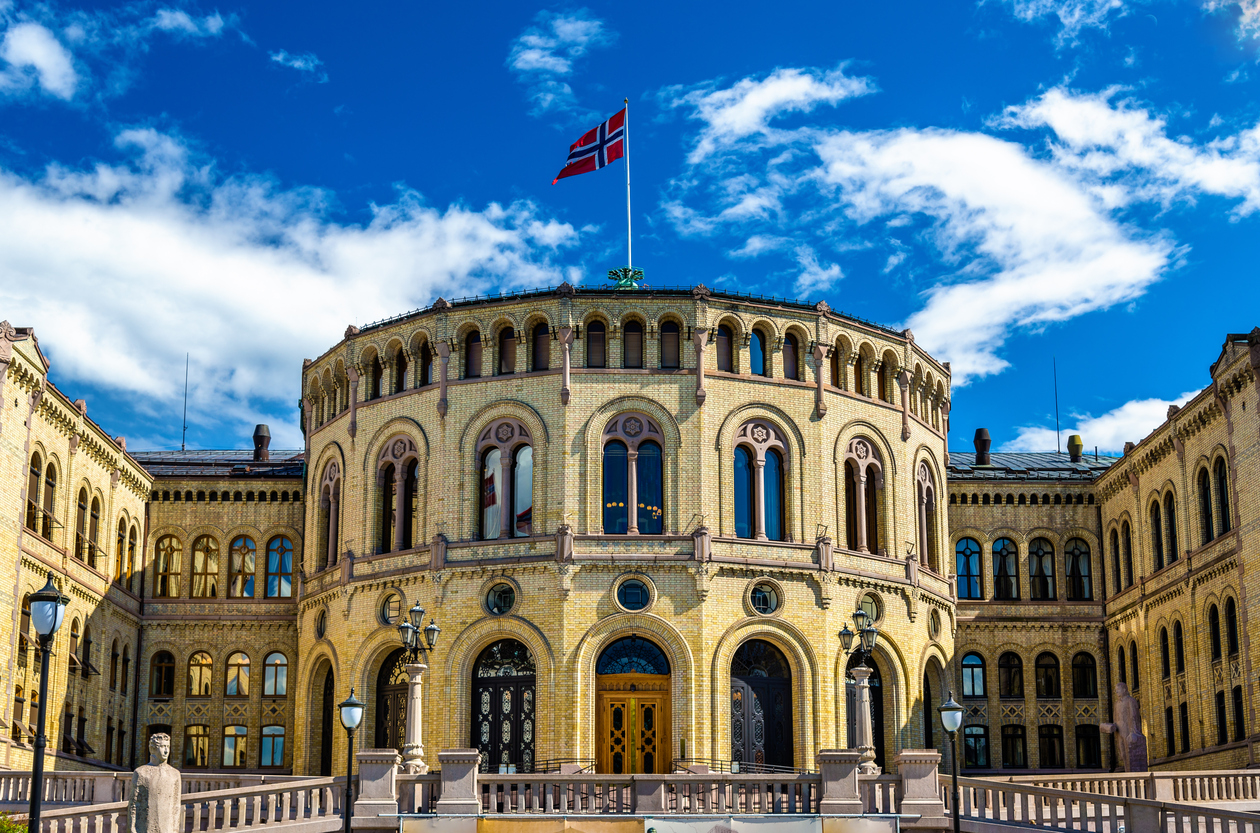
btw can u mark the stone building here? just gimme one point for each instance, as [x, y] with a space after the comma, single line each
[640, 519]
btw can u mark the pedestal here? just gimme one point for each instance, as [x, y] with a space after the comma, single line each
[413, 743]
[862, 721]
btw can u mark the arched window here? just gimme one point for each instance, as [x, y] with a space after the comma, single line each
[113, 666]
[472, 355]
[671, 347]
[863, 495]
[973, 675]
[791, 358]
[507, 351]
[1231, 626]
[1222, 494]
[275, 675]
[205, 577]
[1157, 535]
[126, 669]
[234, 738]
[1126, 543]
[883, 382]
[1117, 576]
[241, 567]
[837, 378]
[1041, 569]
[1133, 664]
[967, 568]
[162, 675]
[1079, 572]
[50, 500]
[757, 353]
[743, 488]
[387, 477]
[1010, 675]
[541, 354]
[196, 746]
[94, 529]
[73, 657]
[237, 675]
[1005, 569]
[32, 492]
[426, 365]
[632, 345]
[926, 487]
[1121, 673]
[280, 568]
[166, 567]
[329, 515]
[376, 374]
[633, 484]
[200, 674]
[1170, 518]
[396, 476]
[507, 480]
[272, 753]
[133, 539]
[1084, 676]
[1205, 507]
[725, 349]
[859, 374]
[1214, 631]
[1165, 656]
[120, 554]
[80, 527]
[596, 345]
[763, 489]
[1179, 648]
[1048, 677]
[400, 371]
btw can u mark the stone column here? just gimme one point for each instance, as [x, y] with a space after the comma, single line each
[862, 720]
[861, 508]
[903, 382]
[632, 469]
[838, 769]
[920, 784]
[820, 403]
[701, 338]
[504, 494]
[759, 492]
[566, 342]
[459, 783]
[413, 742]
[378, 789]
[923, 530]
[444, 354]
[332, 527]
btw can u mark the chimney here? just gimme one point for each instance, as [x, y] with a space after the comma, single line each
[262, 439]
[1076, 447]
[982, 446]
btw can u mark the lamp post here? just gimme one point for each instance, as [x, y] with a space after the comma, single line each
[351, 716]
[951, 719]
[418, 638]
[48, 609]
[867, 635]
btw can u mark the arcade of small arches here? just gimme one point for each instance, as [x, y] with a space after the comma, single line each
[1005, 580]
[211, 576]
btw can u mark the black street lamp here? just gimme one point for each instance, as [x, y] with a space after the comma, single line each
[413, 628]
[867, 635]
[951, 719]
[351, 717]
[48, 609]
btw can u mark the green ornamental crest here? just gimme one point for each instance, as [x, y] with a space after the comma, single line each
[625, 277]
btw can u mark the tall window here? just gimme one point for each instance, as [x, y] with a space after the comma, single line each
[1088, 747]
[973, 675]
[632, 344]
[762, 495]
[757, 353]
[1222, 494]
[272, 746]
[967, 568]
[725, 349]
[1170, 518]
[50, 500]
[1048, 677]
[400, 371]
[671, 349]
[126, 669]
[472, 355]
[1005, 569]
[1010, 675]
[32, 492]
[166, 567]
[237, 675]
[1214, 631]
[279, 568]
[1231, 626]
[925, 486]
[837, 378]
[859, 374]
[275, 675]
[388, 491]
[1240, 720]
[976, 747]
[633, 488]
[1041, 569]
[133, 538]
[541, 358]
[863, 495]
[376, 374]
[200, 674]
[596, 345]
[1050, 746]
[120, 547]
[162, 675]
[241, 567]
[1133, 663]
[1084, 676]
[1014, 747]
[1184, 715]
[743, 492]
[80, 527]
[507, 351]
[1079, 573]
[196, 746]
[1126, 542]
[1117, 576]
[1205, 508]
[1121, 674]
[507, 480]
[885, 383]
[426, 365]
[234, 746]
[1179, 648]
[1165, 656]
[1170, 744]
[205, 577]
[1222, 720]
[1157, 535]
[113, 666]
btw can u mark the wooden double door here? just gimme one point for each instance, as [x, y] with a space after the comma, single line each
[632, 720]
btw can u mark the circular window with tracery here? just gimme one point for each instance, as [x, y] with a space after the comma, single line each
[934, 624]
[391, 608]
[500, 599]
[764, 598]
[633, 595]
[871, 606]
[321, 624]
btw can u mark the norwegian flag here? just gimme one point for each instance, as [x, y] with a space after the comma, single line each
[490, 498]
[596, 148]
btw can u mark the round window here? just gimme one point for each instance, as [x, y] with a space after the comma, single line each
[765, 599]
[870, 605]
[391, 609]
[934, 624]
[500, 599]
[321, 624]
[633, 594]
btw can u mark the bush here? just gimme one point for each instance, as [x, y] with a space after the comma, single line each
[9, 825]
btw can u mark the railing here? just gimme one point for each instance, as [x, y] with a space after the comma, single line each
[1123, 785]
[576, 794]
[880, 794]
[1185, 787]
[419, 793]
[61, 788]
[752, 793]
[704, 766]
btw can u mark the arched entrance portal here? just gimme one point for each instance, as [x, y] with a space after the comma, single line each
[503, 707]
[761, 707]
[632, 708]
[877, 707]
[326, 726]
[391, 701]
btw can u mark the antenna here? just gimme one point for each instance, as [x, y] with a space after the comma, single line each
[183, 436]
[1055, 365]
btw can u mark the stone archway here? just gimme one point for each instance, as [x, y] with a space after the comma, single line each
[632, 709]
[504, 716]
[761, 708]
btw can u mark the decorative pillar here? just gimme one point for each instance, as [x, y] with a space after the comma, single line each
[903, 382]
[333, 527]
[759, 487]
[444, 353]
[353, 375]
[945, 427]
[566, 342]
[632, 469]
[413, 743]
[923, 529]
[862, 721]
[503, 492]
[861, 508]
[701, 338]
[820, 353]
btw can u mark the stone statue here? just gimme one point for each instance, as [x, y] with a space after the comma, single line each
[153, 803]
[1130, 742]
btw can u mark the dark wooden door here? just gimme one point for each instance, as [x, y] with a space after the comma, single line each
[504, 707]
[391, 702]
[761, 722]
[326, 727]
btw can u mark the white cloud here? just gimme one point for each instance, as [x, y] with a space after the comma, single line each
[1130, 422]
[1248, 26]
[181, 22]
[121, 268]
[815, 276]
[545, 53]
[306, 62]
[34, 56]
[1074, 16]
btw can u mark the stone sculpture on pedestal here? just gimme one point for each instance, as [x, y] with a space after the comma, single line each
[1130, 742]
[153, 802]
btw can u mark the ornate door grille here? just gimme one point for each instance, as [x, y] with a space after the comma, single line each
[391, 702]
[504, 707]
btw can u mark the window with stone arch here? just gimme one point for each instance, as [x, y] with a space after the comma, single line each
[279, 573]
[761, 464]
[758, 353]
[596, 344]
[724, 346]
[505, 454]
[863, 495]
[633, 476]
[472, 354]
[925, 491]
[242, 563]
[1207, 529]
[1041, 584]
[1079, 571]
[791, 353]
[1157, 536]
[397, 473]
[884, 378]
[1220, 473]
[205, 567]
[329, 515]
[671, 347]
[200, 674]
[166, 566]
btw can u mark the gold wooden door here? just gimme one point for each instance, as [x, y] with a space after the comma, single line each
[632, 724]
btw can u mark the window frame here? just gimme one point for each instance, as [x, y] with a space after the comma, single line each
[971, 673]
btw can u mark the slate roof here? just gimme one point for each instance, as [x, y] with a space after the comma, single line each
[1036, 465]
[236, 463]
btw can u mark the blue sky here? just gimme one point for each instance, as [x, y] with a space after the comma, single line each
[1015, 180]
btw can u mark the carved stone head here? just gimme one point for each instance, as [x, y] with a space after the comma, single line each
[159, 748]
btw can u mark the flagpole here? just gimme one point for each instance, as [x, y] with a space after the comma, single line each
[629, 238]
